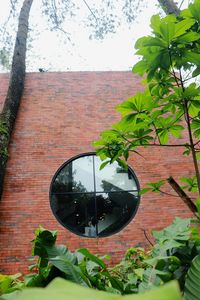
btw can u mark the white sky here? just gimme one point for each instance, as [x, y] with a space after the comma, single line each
[115, 52]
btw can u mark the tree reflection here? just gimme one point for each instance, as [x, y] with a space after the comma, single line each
[90, 212]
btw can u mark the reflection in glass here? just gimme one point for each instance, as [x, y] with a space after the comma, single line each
[77, 176]
[114, 211]
[77, 212]
[90, 202]
[113, 178]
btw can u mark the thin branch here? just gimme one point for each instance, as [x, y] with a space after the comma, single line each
[168, 194]
[90, 10]
[145, 234]
[157, 136]
[162, 145]
[55, 13]
[174, 73]
[153, 145]
[192, 146]
[181, 4]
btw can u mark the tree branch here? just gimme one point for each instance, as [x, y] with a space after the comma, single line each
[186, 199]
[90, 10]
[169, 7]
[162, 145]
[145, 234]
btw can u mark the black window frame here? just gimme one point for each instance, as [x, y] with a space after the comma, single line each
[74, 231]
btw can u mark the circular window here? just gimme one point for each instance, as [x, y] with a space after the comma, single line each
[91, 202]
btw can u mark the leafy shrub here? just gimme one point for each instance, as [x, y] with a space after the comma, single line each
[64, 290]
[139, 271]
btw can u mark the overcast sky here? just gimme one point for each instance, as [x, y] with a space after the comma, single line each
[115, 52]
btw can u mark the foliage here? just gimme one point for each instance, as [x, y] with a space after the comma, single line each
[64, 290]
[192, 284]
[10, 283]
[139, 271]
[170, 104]
[168, 259]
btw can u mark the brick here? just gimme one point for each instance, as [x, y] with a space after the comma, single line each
[59, 117]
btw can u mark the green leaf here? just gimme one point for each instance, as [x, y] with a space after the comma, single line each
[155, 23]
[98, 143]
[197, 133]
[139, 103]
[163, 136]
[196, 72]
[182, 26]
[42, 239]
[5, 283]
[191, 91]
[191, 183]
[126, 107]
[150, 280]
[179, 230]
[195, 124]
[198, 205]
[140, 68]
[187, 152]
[155, 186]
[122, 164]
[195, 9]
[192, 283]
[116, 283]
[167, 31]
[144, 190]
[92, 257]
[35, 280]
[192, 57]
[61, 289]
[73, 272]
[188, 37]
[176, 130]
[104, 164]
[154, 41]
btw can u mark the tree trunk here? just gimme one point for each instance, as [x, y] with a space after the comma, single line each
[15, 88]
[169, 7]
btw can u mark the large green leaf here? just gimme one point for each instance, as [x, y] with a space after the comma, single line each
[140, 68]
[188, 37]
[155, 23]
[42, 239]
[192, 284]
[178, 230]
[72, 271]
[192, 57]
[195, 9]
[61, 289]
[92, 257]
[167, 31]
[182, 27]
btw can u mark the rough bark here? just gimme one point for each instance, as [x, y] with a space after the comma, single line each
[169, 7]
[15, 88]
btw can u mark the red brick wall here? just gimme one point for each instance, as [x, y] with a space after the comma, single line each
[60, 115]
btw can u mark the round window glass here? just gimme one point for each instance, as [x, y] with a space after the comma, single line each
[91, 202]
